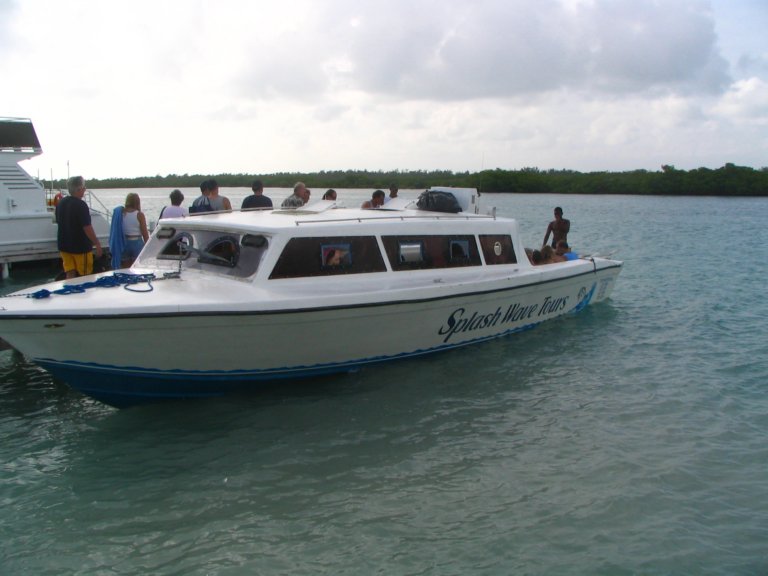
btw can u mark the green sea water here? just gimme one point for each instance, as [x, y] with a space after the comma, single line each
[629, 439]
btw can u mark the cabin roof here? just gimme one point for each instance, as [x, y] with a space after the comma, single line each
[17, 134]
[321, 213]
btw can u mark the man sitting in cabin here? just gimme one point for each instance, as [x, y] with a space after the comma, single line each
[75, 235]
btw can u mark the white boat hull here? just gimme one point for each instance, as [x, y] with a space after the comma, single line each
[126, 359]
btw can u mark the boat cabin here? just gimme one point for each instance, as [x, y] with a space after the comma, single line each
[288, 244]
[20, 194]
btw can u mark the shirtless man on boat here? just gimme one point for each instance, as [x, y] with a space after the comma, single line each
[559, 228]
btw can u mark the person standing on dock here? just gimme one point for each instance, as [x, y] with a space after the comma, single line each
[75, 237]
[559, 228]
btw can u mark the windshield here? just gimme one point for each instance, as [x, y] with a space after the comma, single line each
[228, 253]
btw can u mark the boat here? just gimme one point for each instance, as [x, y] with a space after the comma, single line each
[27, 221]
[223, 301]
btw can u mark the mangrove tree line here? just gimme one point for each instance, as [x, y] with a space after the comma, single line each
[730, 180]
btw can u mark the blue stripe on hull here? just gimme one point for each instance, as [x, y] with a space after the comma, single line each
[123, 387]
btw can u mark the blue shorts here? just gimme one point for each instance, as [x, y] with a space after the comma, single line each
[132, 248]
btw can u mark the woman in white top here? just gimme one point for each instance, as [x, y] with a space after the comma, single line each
[134, 228]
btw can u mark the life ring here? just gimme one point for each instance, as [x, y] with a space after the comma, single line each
[57, 198]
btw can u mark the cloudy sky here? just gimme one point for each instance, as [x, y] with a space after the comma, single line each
[145, 87]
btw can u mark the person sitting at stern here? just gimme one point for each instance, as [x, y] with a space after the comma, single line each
[377, 200]
[565, 251]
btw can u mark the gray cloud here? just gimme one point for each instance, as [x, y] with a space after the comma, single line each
[749, 65]
[458, 50]
[649, 45]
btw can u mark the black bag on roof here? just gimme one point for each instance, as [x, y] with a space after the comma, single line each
[436, 201]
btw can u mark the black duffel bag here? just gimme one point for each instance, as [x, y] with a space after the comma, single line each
[436, 201]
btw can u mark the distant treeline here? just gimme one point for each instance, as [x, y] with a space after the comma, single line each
[730, 180]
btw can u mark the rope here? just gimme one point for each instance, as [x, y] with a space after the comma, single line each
[117, 279]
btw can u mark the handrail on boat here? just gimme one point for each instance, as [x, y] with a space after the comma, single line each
[104, 211]
[399, 217]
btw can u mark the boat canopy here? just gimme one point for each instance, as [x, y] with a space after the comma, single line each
[17, 134]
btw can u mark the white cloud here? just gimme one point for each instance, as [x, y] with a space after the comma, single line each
[746, 103]
[454, 50]
[147, 87]
[7, 9]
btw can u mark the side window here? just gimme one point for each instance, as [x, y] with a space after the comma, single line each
[423, 252]
[254, 241]
[328, 256]
[498, 249]
[252, 250]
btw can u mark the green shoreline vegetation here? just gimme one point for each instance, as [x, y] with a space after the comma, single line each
[730, 180]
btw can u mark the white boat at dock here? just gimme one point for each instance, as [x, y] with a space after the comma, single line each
[223, 301]
[27, 223]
